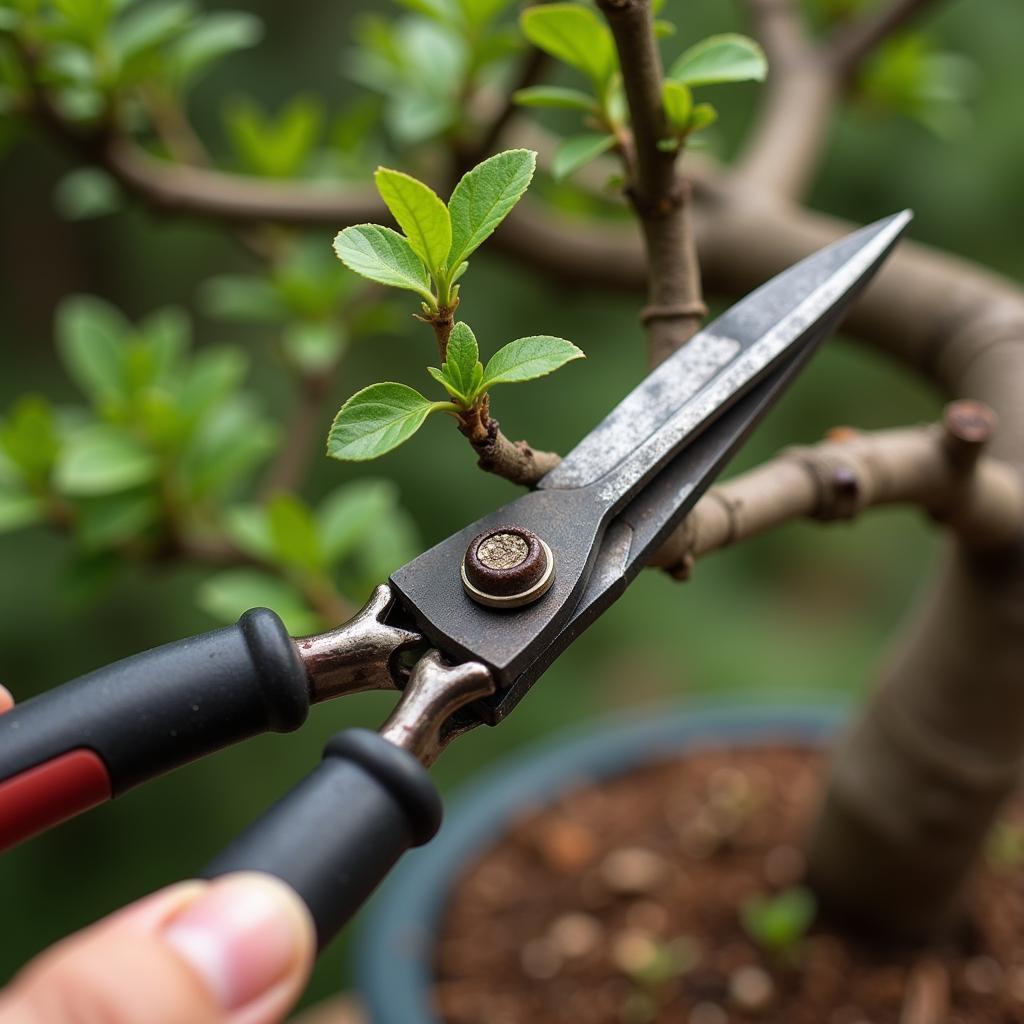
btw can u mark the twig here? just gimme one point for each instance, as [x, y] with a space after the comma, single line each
[979, 498]
[529, 72]
[514, 460]
[853, 42]
[291, 462]
[659, 195]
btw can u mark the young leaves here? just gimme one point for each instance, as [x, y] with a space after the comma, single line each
[382, 416]
[377, 419]
[384, 256]
[528, 358]
[722, 58]
[420, 214]
[484, 197]
[437, 239]
[461, 374]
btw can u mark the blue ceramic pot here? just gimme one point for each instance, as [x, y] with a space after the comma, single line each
[396, 948]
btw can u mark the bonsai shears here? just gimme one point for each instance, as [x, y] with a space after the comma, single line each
[463, 630]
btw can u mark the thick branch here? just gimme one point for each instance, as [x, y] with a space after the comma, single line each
[661, 199]
[805, 79]
[934, 467]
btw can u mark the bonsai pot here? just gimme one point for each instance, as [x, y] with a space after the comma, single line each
[634, 872]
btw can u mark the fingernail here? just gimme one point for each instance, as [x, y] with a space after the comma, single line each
[242, 936]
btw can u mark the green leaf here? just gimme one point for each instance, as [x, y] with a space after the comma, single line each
[217, 34]
[18, 509]
[146, 27]
[480, 12]
[90, 340]
[228, 594]
[29, 437]
[212, 375]
[229, 441]
[244, 298]
[85, 193]
[102, 460]
[439, 10]
[677, 100]
[578, 150]
[704, 114]
[350, 514]
[313, 345]
[113, 519]
[451, 386]
[420, 213]
[575, 35]
[724, 58]
[778, 923]
[462, 357]
[384, 256]
[483, 198]
[527, 358]
[293, 532]
[392, 542]
[275, 146]
[555, 96]
[249, 528]
[377, 419]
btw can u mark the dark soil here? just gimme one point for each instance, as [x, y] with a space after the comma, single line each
[621, 904]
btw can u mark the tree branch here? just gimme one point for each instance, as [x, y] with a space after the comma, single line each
[852, 43]
[658, 194]
[782, 150]
[530, 70]
[936, 467]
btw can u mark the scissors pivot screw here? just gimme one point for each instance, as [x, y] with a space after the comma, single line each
[507, 568]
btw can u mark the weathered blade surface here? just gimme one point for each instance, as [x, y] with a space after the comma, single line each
[572, 509]
[632, 538]
[720, 363]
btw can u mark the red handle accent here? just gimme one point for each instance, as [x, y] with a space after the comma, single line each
[50, 793]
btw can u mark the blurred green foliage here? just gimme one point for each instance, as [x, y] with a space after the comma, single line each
[804, 610]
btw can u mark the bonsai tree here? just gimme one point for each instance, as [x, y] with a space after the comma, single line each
[155, 466]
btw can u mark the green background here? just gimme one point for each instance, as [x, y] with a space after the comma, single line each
[806, 610]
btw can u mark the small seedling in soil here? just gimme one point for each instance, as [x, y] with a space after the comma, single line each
[779, 923]
[651, 966]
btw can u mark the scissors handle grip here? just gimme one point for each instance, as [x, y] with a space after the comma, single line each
[339, 831]
[93, 738]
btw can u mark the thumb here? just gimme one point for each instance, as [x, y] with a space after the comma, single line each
[234, 951]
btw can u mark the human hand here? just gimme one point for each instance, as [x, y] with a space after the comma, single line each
[237, 950]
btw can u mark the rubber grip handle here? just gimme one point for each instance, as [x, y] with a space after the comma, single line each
[155, 711]
[339, 831]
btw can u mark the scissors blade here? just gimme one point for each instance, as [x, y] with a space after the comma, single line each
[637, 532]
[571, 512]
[718, 364]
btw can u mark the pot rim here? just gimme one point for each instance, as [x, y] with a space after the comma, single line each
[394, 951]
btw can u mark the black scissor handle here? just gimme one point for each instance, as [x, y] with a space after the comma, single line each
[97, 736]
[339, 831]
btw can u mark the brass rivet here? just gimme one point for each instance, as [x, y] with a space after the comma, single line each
[507, 568]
